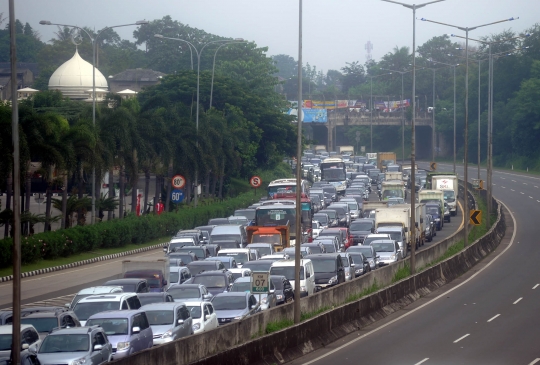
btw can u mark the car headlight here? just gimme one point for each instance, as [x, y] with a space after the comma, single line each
[237, 318]
[196, 327]
[437, 219]
[358, 271]
[333, 280]
[121, 346]
[303, 288]
[279, 296]
[80, 361]
[167, 334]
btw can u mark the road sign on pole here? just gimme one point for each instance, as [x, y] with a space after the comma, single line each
[478, 184]
[476, 217]
[178, 182]
[259, 284]
[177, 196]
[255, 181]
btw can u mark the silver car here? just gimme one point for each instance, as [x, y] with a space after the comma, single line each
[127, 330]
[76, 346]
[169, 321]
[388, 250]
[348, 265]
[368, 251]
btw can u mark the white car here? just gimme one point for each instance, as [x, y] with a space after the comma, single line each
[317, 228]
[203, 315]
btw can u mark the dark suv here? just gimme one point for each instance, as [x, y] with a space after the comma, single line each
[216, 281]
[45, 321]
[328, 268]
[360, 228]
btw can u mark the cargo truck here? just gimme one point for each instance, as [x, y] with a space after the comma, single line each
[419, 218]
[393, 189]
[346, 149]
[448, 184]
[156, 272]
[427, 196]
[372, 157]
[370, 207]
[320, 148]
[396, 223]
[278, 236]
[398, 175]
[384, 159]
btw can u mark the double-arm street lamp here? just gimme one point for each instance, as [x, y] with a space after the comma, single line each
[93, 39]
[413, 7]
[466, 134]
[198, 53]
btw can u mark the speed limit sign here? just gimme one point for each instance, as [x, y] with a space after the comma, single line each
[178, 182]
[255, 181]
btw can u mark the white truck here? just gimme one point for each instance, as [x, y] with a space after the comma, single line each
[369, 208]
[398, 175]
[320, 148]
[419, 218]
[426, 196]
[156, 272]
[393, 189]
[372, 157]
[448, 184]
[396, 222]
[346, 149]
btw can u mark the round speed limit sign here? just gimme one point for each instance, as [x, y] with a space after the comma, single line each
[178, 182]
[255, 181]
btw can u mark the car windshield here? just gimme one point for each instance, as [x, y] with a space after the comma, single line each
[449, 195]
[331, 213]
[361, 226]
[5, 342]
[184, 293]
[432, 210]
[186, 259]
[368, 240]
[228, 302]
[356, 257]
[199, 252]
[383, 246]
[151, 299]
[263, 265]
[225, 237]
[248, 213]
[345, 261]
[366, 251]
[273, 239]
[160, 317]
[315, 248]
[278, 283]
[352, 206]
[201, 266]
[174, 276]
[126, 288]
[210, 281]
[41, 324]
[329, 246]
[239, 257]
[174, 246]
[85, 310]
[324, 265]
[287, 271]
[111, 326]
[195, 311]
[65, 343]
[321, 218]
[244, 286]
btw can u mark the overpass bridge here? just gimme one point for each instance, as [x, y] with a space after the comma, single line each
[332, 133]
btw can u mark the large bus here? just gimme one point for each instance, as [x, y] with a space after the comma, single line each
[333, 171]
[285, 186]
[278, 214]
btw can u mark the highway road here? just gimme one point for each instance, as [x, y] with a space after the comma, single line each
[57, 288]
[487, 317]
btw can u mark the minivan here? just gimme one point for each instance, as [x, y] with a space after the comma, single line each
[86, 307]
[229, 232]
[169, 321]
[94, 290]
[240, 255]
[127, 330]
[329, 269]
[307, 274]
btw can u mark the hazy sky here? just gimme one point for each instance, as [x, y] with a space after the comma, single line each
[334, 31]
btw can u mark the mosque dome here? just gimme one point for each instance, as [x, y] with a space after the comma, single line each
[74, 77]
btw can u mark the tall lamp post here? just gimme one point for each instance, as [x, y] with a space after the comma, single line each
[239, 40]
[466, 134]
[94, 47]
[413, 7]
[198, 53]
[454, 67]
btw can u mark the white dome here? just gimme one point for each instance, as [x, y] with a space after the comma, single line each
[74, 77]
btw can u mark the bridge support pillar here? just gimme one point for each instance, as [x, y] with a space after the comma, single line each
[331, 128]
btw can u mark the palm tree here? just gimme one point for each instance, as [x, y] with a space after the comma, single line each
[71, 205]
[106, 204]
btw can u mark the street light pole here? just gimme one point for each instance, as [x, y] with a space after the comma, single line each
[198, 53]
[413, 140]
[94, 45]
[466, 134]
[240, 40]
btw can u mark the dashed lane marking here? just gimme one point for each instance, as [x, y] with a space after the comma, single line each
[491, 319]
[423, 361]
[536, 286]
[462, 337]
[517, 301]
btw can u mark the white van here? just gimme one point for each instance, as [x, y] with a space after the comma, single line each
[240, 255]
[87, 307]
[307, 274]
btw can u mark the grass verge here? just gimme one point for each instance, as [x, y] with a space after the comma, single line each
[278, 326]
[43, 264]
[372, 289]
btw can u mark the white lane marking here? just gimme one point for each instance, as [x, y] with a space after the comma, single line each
[536, 286]
[522, 193]
[503, 187]
[535, 361]
[525, 184]
[536, 186]
[530, 197]
[517, 301]
[431, 301]
[503, 178]
[538, 201]
[423, 361]
[491, 319]
[462, 337]
[513, 180]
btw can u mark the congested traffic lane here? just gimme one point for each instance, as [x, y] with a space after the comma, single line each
[489, 318]
[60, 283]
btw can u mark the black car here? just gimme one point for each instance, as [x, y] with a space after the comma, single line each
[257, 265]
[283, 289]
[186, 257]
[130, 285]
[217, 281]
[200, 251]
[362, 263]
[360, 228]
[44, 321]
[197, 267]
[328, 269]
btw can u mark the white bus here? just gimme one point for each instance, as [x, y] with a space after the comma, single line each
[333, 171]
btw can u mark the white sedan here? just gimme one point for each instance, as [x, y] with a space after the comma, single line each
[317, 228]
[203, 315]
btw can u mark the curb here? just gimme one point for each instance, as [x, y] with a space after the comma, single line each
[4, 279]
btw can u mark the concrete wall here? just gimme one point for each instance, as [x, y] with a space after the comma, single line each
[241, 342]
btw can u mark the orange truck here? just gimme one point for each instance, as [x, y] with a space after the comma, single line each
[277, 236]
